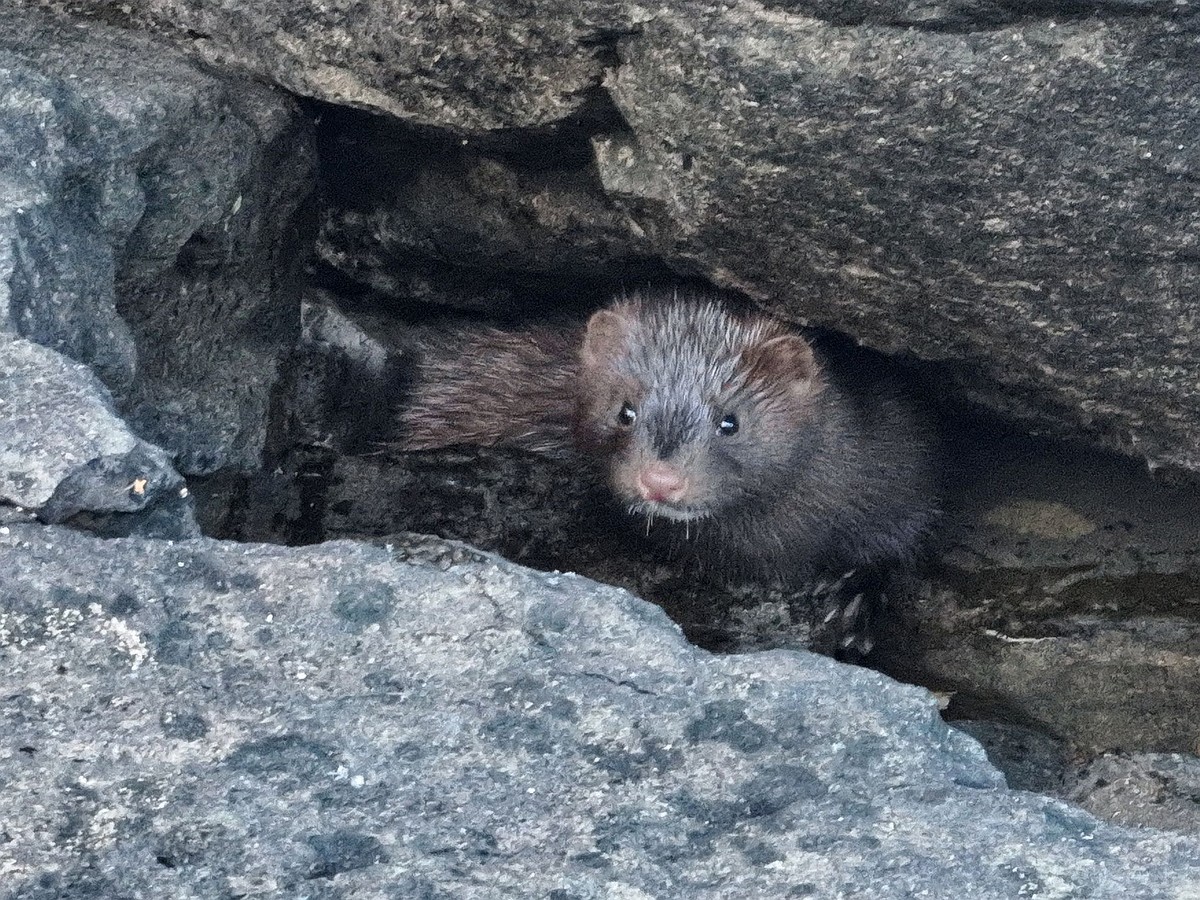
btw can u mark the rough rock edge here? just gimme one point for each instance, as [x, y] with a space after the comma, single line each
[518, 733]
[64, 451]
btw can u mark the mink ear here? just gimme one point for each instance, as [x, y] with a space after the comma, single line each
[787, 359]
[605, 339]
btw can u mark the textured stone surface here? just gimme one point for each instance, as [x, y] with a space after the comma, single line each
[148, 228]
[64, 451]
[476, 66]
[1155, 790]
[1003, 187]
[204, 719]
[1066, 593]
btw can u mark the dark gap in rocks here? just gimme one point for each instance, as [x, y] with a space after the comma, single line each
[351, 141]
[1030, 759]
[506, 222]
[195, 256]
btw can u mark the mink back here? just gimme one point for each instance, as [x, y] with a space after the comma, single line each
[491, 387]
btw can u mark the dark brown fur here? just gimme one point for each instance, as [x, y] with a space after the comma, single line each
[487, 387]
[831, 466]
[828, 465]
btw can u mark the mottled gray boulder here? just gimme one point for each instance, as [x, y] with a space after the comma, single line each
[203, 719]
[64, 451]
[148, 228]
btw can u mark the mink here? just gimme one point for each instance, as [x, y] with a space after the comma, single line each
[733, 434]
[768, 457]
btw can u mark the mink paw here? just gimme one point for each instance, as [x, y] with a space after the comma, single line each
[847, 615]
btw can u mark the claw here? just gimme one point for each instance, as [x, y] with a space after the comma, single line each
[851, 610]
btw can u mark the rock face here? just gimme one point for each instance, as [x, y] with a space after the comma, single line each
[148, 228]
[205, 719]
[999, 188]
[186, 717]
[1065, 594]
[477, 67]
[64, 451]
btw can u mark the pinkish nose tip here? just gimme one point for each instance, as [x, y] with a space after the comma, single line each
[661, 483]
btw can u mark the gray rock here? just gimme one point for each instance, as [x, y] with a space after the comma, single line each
[477, 68]
[204, 719]
[1153, 790]
[1064, 595]
[148, 228]
[1002, 187]
[63, 450]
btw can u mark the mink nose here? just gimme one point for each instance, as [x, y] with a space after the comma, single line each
[661, 483]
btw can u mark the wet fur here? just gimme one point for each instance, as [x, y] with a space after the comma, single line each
[486, 387]
[831, 468]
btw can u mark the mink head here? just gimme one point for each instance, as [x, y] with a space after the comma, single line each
[694, 409]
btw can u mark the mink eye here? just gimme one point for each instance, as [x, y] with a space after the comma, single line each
[628, 415]
[729, 425]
